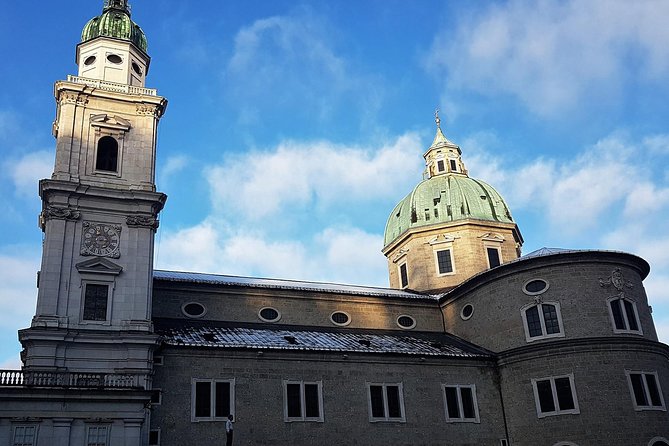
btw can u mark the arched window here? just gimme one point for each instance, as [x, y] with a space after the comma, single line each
[107, 158]
[542, 320]
[624, 315]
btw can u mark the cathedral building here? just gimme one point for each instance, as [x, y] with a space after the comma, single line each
[472, 343]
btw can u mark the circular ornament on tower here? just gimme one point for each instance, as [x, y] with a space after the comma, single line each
[89, 60]
[114, 58]
[99, 239]
[136, 68]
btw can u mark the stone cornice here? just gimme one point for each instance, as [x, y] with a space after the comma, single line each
[619, 343]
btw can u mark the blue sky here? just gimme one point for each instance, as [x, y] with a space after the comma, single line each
[293, 128]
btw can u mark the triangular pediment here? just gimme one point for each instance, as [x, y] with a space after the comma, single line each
[99, 265]
[110, 121]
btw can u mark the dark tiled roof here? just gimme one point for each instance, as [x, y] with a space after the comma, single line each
[301, 285]
[265, 337]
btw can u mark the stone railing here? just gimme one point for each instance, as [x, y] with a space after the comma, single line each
[14, 378]
[112, 86]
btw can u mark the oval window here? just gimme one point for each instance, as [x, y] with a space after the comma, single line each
[89, 60]
[340, 318]
[467, 311]
[114, 58]
[269, 314]
[193, 309]
[136, 68]
[535, 286]
[406, 321]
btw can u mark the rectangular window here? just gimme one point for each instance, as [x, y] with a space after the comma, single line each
[461, 405]
[212, 400]
[154, 437]
[444, 261]
[440, 165]
[494, 257]
[95, 302]
[386, 402]
[404, 276]
[303, 401]
[645, 388]
[156, 397]
[454, 166]
[555, 396]
[24, 436]
[97, 436]
[542, 321]
[624, 315]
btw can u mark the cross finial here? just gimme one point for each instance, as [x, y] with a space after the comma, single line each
[437, 119]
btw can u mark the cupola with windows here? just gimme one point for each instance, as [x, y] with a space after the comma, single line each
[113, 48]
[449, 227]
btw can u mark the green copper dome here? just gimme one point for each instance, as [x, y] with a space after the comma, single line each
[115, 22]
[443, 199]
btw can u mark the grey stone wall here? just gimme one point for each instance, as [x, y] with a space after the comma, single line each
[297, 308]
[259, 399]
[574, 283]
[607, 415]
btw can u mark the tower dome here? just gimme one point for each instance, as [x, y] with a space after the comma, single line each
[450, 226]
[115, 22]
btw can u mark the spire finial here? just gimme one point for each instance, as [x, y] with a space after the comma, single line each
[437, 119]
[117, 4]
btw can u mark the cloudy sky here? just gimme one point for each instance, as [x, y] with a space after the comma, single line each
[294, 127]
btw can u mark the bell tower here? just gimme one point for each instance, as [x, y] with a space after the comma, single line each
[100, 213]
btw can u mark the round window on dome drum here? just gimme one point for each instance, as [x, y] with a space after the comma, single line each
[405, 321]
[467, 312]
[269, 314]
[89, 60]
[340, 318]
[194, 309]
[114, 58]
[535, 286]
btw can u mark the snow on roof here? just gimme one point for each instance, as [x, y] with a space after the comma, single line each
[290, 338]
[301, 285]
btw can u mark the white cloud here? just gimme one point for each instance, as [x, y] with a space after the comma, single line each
[172, 166]
[334, 255]
[263, 183]
[18, 293]
[29, 169]
[554, 54]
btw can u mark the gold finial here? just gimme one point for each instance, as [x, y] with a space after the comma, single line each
[437, 119]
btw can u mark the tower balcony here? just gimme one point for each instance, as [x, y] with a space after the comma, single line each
[19, 378]
[112, 86]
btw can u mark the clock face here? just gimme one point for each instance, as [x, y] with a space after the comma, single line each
[101, 239]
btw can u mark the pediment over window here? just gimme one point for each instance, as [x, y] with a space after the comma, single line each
[99, 265]
[400, 254]
[110, 122]
[442, 238]
[492, 237]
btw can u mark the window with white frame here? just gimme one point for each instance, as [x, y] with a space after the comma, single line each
[444, 261]
[624, 316]
[494, 255]
[404, 275]
[542, 320]
[302, 401]
[555, 396]
[25, 436]
[645, 389]
[386, 402]
[212, 399]
[460, 403]
[97, 435]
[154, 437]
